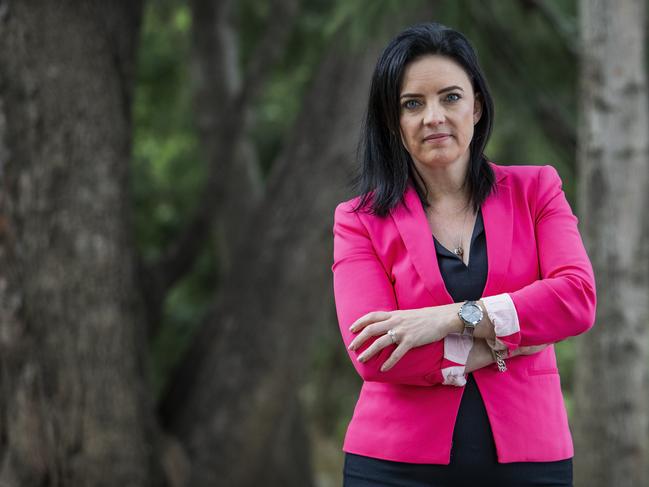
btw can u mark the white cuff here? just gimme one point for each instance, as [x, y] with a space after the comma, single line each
[456, 349]
[502, 313]
[454, 376]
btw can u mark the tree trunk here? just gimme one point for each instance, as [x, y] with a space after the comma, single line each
[611, 407]
[233, 401]
[74, 403]
[216, 85]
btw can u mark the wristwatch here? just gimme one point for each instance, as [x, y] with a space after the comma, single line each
[471, 314]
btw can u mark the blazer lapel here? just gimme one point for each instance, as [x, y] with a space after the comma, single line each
[497, 215]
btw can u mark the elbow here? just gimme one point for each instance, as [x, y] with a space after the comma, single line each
[369, 371]
[370, 375]
[586, 311]
[400, 373]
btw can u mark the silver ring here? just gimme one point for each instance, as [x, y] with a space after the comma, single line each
[393, 335]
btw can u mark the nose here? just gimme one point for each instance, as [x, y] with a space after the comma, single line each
[433, 114]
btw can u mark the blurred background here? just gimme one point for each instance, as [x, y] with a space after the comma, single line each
[169, 172]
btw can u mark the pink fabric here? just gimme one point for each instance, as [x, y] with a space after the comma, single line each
[535, 254]
[502, 313]
[456, 352]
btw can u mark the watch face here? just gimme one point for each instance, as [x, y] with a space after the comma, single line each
[472, 313]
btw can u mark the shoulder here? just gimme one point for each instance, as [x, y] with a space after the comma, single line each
[537, 185]
[347, 218]
[525, 174]
[531, 179]
[345, 210]
[351, 211]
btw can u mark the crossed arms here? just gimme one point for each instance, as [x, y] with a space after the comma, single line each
[565, 292]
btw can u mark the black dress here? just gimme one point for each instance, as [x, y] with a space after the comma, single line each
[473, 454]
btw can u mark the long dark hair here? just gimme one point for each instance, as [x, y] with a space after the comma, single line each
[386, 166]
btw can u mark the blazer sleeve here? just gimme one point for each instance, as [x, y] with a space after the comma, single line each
[361, 285]
[562, 302]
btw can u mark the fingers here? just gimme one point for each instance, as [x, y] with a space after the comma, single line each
[369, 331]
[375, 348]
[399, 352]
[369, 318]
[380, 344]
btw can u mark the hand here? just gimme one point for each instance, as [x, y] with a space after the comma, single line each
[412, 327]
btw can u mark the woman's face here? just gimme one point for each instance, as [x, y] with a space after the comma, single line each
[438, 110]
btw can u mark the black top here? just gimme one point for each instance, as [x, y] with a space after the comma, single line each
[472, 437]
[464, 282]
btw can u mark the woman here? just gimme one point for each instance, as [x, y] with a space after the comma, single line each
[453, 277]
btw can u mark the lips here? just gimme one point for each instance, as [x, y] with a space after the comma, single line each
[436, 136]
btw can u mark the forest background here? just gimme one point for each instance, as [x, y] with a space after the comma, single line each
[169, 173]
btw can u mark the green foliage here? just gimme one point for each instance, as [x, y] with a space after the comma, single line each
[167, 168]
[184, 311]
[168, 171]
[279, 104]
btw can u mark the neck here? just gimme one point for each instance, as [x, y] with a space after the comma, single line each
[446, 184]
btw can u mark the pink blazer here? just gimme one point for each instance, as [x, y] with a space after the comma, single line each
[535, 254]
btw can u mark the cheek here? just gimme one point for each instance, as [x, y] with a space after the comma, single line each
[467, 124]
[408, 129]
[406, 132]
[468, 132]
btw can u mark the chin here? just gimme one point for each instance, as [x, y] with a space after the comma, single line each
[439, 161]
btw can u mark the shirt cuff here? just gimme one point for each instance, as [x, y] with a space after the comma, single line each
[456, 352]
[454, 376]
[502, 313]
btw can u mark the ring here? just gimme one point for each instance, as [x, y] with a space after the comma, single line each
[393, 335]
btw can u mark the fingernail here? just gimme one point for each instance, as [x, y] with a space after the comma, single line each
[361, 358]
[351, 328]
[351, 346]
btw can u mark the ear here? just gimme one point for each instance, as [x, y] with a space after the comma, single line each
[477, 108]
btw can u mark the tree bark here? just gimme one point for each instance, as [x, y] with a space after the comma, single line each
[611, 436]
[74, 404]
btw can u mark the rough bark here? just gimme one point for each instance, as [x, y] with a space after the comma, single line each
[611, 436]
[74, 405]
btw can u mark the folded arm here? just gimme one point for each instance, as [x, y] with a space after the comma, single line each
[562, 303]
[361, 285]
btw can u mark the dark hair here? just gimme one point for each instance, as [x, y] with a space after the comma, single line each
[386, 166]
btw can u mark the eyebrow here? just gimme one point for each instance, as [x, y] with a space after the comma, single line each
[443, 90]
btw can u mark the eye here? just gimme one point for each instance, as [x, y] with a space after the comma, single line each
[452, 97]
[411, 104]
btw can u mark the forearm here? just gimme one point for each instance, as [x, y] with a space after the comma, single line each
[480, 355]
